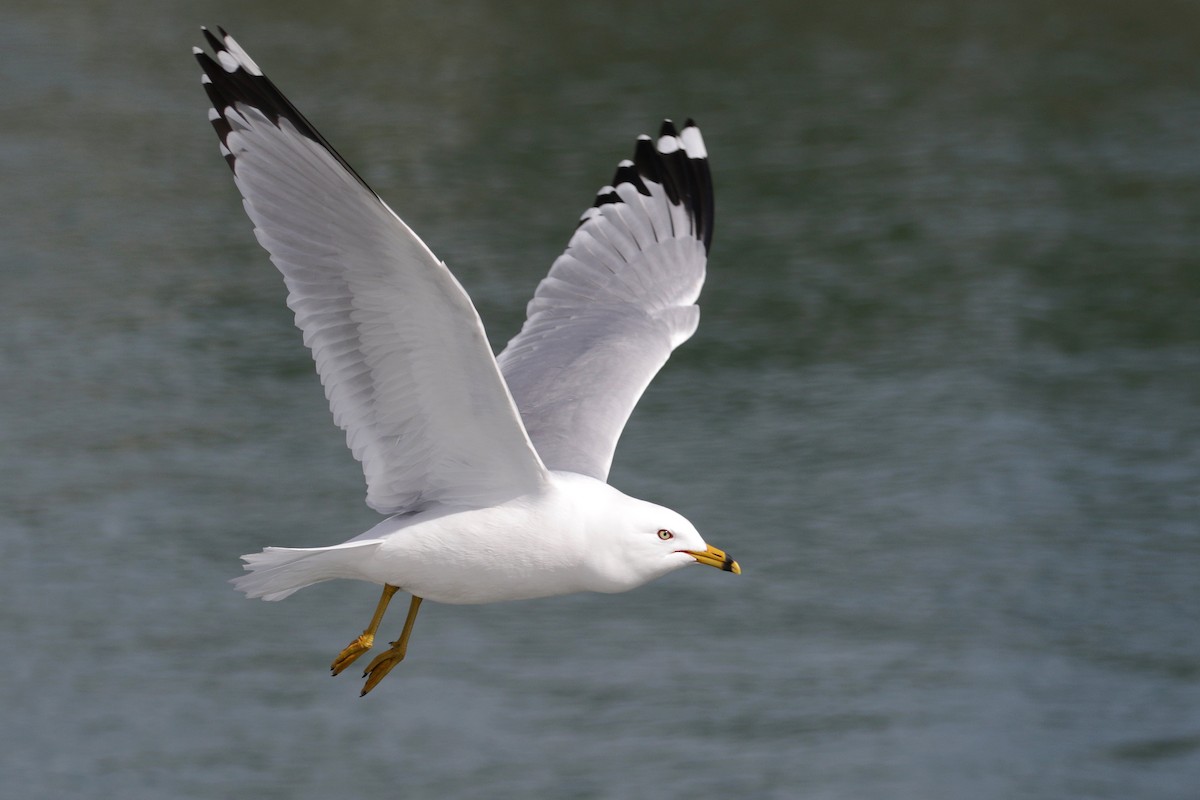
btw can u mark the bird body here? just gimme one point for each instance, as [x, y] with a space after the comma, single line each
[491, 470]
[575, 535]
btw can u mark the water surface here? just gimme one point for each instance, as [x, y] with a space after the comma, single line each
[943, 406]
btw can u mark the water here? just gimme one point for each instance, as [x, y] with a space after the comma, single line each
[944, 406]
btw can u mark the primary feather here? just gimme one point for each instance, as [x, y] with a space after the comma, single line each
[399, 347]
[615, 304]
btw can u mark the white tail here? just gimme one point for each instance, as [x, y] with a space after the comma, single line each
[276, 572]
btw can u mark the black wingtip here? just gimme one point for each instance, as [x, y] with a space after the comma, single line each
[676, 161]
[235, 80]
[627, 173]
[213, 42]
[605, 196]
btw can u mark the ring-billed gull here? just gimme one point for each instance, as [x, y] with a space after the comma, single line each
[492, 470]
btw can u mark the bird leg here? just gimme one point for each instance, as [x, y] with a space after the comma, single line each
[367, 638]
[384, 662]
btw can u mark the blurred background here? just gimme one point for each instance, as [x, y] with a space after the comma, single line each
[943, 405]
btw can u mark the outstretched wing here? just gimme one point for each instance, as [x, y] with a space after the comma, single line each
[615, 304]
[400, 349]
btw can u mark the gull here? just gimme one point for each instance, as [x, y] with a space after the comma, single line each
[491, 471]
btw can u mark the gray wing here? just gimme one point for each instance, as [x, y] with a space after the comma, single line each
[615, 303]
[398, 345]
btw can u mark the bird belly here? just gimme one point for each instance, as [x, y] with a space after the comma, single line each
[481, 556]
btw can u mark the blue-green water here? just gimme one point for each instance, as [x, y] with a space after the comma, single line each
[943, 405]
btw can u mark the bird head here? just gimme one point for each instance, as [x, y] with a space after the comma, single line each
[633, 541]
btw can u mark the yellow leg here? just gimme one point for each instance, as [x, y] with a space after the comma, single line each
[367, 638]
[384, 662]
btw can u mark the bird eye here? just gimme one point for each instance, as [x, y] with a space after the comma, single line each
[665, 534]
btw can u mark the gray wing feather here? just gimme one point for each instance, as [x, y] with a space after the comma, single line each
[398, 345]
[615, 304]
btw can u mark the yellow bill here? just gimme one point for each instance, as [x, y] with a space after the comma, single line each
[715, 558]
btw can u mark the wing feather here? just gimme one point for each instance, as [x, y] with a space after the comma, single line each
[397, 343]
[615, 303]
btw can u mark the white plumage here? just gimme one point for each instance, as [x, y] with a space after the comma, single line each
[491, 470]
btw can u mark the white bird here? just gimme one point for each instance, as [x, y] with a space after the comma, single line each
[492, 471]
